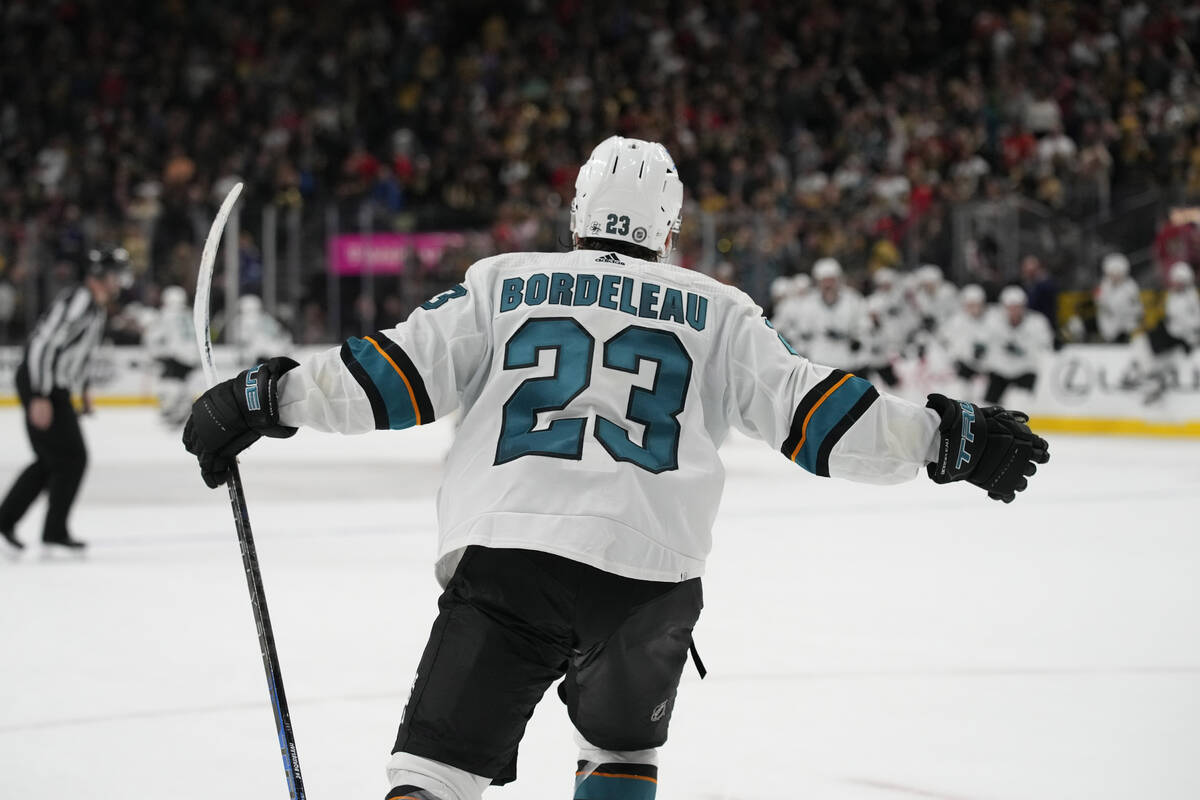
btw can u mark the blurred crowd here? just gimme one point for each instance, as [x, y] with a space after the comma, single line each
[812, 130]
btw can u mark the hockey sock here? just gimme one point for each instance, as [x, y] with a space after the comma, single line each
[616, 781]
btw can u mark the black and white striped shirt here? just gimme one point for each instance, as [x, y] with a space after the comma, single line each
[61, 346]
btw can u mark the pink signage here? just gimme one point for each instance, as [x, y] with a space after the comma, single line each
[387, 253]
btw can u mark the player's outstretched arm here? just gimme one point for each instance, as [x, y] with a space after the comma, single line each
[233, 415]
[990, 447]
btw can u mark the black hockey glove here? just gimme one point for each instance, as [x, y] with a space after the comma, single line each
[964, 371]
[233, 415]
[991, 447]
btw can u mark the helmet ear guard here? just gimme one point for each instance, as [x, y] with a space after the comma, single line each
[628, 190]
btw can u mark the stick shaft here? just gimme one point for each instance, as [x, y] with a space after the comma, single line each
[241, 516]
[266, 638]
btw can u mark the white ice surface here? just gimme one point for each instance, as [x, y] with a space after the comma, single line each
[902, 642]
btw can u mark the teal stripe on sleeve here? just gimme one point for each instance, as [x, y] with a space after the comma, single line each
[827, 416]
[396, 397]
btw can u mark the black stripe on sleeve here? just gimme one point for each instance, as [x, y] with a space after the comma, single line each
[843, 425]
[378, 409]
[397, 354]
[622, 768]
[806, 405]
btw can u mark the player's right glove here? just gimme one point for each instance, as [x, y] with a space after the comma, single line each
[991, 447]
[233, 415]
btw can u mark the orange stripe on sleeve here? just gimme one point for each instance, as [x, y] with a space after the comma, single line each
[813, 410]
[412, 395]
[618, 775]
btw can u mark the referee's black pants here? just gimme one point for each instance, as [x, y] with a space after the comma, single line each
[61, 458]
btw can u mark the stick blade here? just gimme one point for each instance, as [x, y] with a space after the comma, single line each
[208, 256]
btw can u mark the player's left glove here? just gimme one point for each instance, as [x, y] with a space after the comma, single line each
[991, 447]
[233, 415]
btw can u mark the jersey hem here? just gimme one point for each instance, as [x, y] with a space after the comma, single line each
[590, 540]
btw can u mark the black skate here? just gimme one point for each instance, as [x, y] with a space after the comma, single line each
[65, 542]
[12, 539]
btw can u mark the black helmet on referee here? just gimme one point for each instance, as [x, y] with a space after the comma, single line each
[101, 261]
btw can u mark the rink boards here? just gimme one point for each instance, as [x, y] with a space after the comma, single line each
[1094, 389]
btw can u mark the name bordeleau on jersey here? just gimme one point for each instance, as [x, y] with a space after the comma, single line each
[594, 389]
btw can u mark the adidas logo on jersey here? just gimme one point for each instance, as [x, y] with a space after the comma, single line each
[609, 258]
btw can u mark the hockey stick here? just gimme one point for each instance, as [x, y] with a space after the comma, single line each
[241, 517]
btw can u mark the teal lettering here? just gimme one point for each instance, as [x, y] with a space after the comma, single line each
[587, 289]
[510, 293]
[627, 296]
[560, 289]
[649, 297]
[536, 288]
[608, 291]
[672, 306]
[697, 311]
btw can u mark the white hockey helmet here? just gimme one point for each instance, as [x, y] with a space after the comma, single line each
[1115, 265]
[628, 190]
[801, 283]
[249, 304]
[972, 293]
[884, 278]
[1013, 296]
[174, 297]
[1181, 274]
[826, 268]
[929, 274]
[781, 287]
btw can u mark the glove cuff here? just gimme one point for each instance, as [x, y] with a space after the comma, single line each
[963, 434]
[258, 396]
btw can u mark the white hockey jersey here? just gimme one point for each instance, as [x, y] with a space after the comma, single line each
[935, 304]
[1014, 350]
[257, 335]
[833, 333]
[172, 335]
[965, 337]
[788, 318]
[896, 321]
[594, 392]
[1182, 319]
[1118, 308]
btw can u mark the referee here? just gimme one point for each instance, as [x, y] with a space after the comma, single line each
[56, 362]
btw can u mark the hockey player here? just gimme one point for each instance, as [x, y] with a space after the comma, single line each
[1016, 341]
[885, 284]
[788, 318]
[935, 299]
[55, 363]
[575, 515]
[833, 319]
[965, 338]
[1118, 302]
[890, 323]
[255, 333]
[881, 345]
[1179, 330]
[171, 341]
[781, 287]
